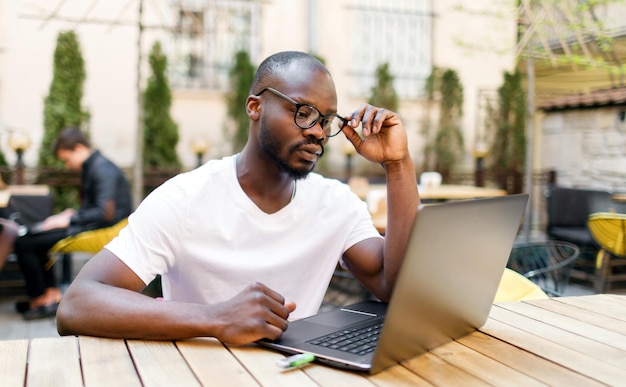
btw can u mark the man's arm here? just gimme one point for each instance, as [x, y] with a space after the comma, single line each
[374, 262]
[105, 300]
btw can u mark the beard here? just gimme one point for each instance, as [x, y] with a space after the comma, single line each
[271, 146]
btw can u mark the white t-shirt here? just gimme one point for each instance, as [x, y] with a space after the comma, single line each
[208, 240]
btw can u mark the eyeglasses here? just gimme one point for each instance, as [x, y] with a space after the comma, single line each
[306, 116]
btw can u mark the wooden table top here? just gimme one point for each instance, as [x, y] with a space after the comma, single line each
[619, 197]
[25, 189]
[442, 192]
[561, 341]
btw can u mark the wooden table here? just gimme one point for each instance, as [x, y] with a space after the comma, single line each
[442, 192]
[23, 190]
[619, 197]
[457, 192]
[562, 341]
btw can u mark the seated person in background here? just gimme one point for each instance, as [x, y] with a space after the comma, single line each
[105, 200]
[239, 242]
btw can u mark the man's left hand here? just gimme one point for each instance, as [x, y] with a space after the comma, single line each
[383, 137]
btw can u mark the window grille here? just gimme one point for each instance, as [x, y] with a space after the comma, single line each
[397, 32]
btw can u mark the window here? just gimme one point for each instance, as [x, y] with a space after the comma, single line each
[208, 33]
[398, 32]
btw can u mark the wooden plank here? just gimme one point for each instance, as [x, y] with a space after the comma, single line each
[607, 306]
[617, 297]
[397, 376]
[481, 366]
[328, 376]
[54, 362]
[581, 315]
[578, 342]
[213, 364]
[106, 362]
[595, 368]
[261, 364]
[439, 372]
[525, 362]
[13, 355]
[590, 331]
[160, 364]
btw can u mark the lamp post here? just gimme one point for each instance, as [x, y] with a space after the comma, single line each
[480, 151]
[19, 142]
[348, 150]
[199, 146]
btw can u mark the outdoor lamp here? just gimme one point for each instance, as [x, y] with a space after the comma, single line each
[480, 151]
[199, 146]
[19, 141]
[348, 149]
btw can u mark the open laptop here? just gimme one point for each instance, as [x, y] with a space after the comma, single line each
[447, 283]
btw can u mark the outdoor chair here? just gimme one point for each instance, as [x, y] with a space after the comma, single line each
[91, 241]
[609, 231]
[548, 263]
[515, 287]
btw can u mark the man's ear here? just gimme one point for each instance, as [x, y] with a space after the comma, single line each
[253, 107]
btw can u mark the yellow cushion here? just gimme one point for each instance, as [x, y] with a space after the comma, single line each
[516, 287]
[91, 241]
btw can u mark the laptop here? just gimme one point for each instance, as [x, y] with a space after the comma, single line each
[454, 261]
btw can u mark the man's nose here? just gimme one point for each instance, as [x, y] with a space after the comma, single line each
[316, 131]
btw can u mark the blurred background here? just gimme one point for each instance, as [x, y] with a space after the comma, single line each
[506, 94]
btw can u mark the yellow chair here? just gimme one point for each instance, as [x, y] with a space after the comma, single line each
[91, 241]
[515, 287]
[546, 263]
[608, 229]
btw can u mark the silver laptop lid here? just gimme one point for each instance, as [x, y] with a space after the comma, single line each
[453, 266]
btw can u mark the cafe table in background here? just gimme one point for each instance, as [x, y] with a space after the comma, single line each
[568, 341]
[376, 194]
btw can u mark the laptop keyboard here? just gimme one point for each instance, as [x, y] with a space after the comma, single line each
[359, 341]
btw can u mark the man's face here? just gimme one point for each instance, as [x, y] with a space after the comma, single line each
[72, 159]
[296, 150]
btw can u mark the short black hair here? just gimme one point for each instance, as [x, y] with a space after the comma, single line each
[69, 138]
[272, 66]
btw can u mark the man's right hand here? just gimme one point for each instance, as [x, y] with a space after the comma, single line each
[257, 312]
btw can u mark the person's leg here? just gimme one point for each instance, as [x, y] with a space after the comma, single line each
[32, 254]
[8, 233]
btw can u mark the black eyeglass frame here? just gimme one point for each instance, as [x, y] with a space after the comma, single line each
[298, 105]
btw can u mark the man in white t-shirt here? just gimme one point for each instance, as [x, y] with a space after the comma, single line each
[247, 242]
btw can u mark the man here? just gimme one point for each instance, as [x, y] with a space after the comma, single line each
[105, 200]
[242, 241]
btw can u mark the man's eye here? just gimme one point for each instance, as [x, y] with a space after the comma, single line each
[303, 114]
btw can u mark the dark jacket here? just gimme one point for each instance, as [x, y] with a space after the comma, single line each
[101, 182]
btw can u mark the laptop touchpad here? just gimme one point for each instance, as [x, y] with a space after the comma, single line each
[339, 318]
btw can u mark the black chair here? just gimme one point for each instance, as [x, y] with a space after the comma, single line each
[546, 263]
[567, 213]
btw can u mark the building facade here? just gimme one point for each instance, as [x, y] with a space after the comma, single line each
[201, 37]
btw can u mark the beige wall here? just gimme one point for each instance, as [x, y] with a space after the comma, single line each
[475, 39]
[586, 147]
[110, 59]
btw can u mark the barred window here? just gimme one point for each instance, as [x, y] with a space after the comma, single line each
[206, 37]
[398, 32]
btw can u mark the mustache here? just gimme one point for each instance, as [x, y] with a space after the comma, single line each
[307, 142]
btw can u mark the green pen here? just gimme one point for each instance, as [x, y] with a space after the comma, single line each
[295, 361]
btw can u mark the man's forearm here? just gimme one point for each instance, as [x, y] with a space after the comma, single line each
[88, 311]
[402, 204]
